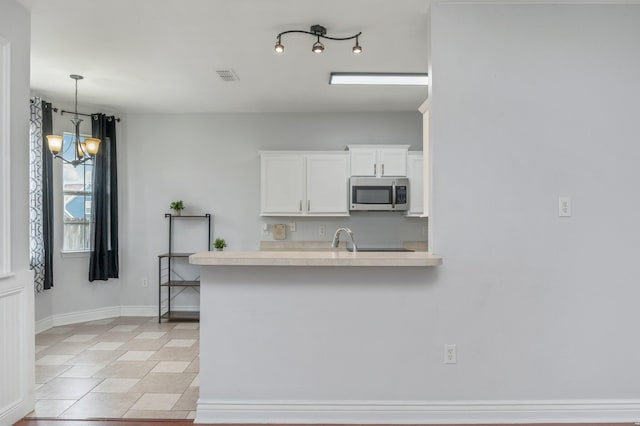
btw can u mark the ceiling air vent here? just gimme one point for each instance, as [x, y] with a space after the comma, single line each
[227, 75]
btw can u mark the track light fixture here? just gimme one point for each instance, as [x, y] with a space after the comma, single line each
[319, 32]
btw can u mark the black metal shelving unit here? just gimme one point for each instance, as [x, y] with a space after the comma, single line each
[167, 260]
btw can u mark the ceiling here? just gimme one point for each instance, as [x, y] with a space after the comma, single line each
[161, 56]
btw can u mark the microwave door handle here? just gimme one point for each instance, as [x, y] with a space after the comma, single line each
[393, 195]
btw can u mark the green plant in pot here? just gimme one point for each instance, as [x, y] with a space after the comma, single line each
[219, 244]
[177, 207]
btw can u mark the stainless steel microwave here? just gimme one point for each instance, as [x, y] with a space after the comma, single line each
[378, 194]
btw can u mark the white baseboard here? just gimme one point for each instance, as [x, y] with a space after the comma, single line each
[76, 317]
[43, 324]
[16, 412]
[103, 313]
[152, 310]
[437, 412]
[139, 311]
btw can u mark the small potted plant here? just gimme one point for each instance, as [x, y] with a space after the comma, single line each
[219, 244]
[177, 207]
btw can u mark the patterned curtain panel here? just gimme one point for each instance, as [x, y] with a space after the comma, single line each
[41, 195]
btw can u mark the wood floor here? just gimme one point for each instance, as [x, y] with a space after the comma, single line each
[145, 422]
[128, 422]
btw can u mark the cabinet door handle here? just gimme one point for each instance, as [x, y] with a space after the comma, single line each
[382, 169]
[308, 205]
[375, 166]
[300, 205]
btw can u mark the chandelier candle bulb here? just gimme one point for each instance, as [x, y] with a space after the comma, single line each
[92, 145]
[55, 143]
[80, 149]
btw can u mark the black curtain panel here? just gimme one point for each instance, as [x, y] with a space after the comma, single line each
[47, 195]
[103, 263]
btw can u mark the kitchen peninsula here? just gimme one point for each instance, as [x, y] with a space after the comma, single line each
[315, 258]
[288, 336]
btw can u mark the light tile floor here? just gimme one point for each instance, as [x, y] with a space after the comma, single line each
[127, 367]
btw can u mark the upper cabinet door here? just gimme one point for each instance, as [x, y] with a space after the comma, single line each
[364, 162]
[282, 184]
[378, 161]
[393, 162]
[327, 184]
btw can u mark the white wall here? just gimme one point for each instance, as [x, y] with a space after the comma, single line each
[211, 162]
[16, 287]
[532, 102]
[16, 31]
[72, 291]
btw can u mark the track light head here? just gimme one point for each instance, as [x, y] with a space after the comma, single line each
[279, 48]
[357, 49]
[317, 47]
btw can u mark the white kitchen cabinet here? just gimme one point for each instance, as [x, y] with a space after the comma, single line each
[304, 184]
[327, 184]
[415, 173]
[364, 161]
[281, 183]
[378, 160]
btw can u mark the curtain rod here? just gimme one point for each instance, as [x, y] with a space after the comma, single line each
[55, 109]
[62, 112]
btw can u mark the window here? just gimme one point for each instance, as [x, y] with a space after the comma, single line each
[76, 188]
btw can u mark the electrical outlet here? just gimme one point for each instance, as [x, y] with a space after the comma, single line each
[265, 227]
[322, 230]
[450, 354]
[564, 206]
[145, 282]
[292, 226]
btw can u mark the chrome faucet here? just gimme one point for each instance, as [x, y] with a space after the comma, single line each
[336, 238]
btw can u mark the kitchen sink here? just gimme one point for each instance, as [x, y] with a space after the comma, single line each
[387, 249]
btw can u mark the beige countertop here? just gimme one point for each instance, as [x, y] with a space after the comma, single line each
[338, 257]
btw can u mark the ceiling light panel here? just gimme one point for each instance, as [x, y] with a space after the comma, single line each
[382, 79]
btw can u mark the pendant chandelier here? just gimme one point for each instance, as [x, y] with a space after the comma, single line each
[84, 150]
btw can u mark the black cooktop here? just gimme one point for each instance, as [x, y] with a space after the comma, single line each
[393, 249]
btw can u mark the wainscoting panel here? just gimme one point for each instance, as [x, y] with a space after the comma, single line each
[16, 346]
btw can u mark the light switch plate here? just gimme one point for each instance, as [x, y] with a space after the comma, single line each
[279, 232]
